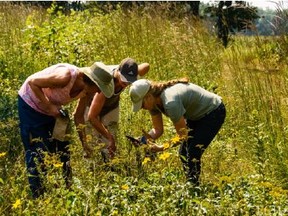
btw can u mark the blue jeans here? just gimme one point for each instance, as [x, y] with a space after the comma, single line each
[201, 133]
[36, 131]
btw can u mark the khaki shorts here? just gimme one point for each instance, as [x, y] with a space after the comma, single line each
[110, 121]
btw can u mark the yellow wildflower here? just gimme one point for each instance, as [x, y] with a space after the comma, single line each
[81, 126]
[226, 179]
[146, 160]
[125, 187]
[57, 165]
[266, 184]
[166, 145]
[50, 178]
[175, 139]
[164, 155]
[48, 200]
[16, 204]
[275, 193]
[2, 154]
[115, 212]
[89, 138]
[35, 140]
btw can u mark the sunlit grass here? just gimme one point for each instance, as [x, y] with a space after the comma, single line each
[245, 167]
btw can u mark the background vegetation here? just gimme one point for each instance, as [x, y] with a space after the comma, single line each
[245, 168]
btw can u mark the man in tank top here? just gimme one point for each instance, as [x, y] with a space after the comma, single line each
[102, 113]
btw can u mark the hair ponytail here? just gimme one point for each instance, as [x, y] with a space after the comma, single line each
[157, 88]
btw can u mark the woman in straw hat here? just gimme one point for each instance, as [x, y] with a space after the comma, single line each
[196, 113]
[102, 112]
[40, 100]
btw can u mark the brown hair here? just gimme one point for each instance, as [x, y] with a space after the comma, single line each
[158, 87]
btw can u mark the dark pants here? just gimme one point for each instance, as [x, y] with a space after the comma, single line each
[201, 133]
[36, 131]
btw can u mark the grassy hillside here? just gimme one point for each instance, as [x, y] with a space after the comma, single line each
[244, 169]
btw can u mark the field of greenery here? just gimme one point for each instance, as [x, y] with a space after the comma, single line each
[245, 169]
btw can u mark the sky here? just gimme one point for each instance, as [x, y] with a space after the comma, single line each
[271, 4]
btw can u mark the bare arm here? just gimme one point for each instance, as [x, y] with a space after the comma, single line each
[80, 123]
[59, 78]
[79, 118]
[182, 132]
[157, 129]
[94, 112]
[181, 128]
[143, 69]
[94, 118]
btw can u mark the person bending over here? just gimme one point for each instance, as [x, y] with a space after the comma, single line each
[102, 113]
[40, 100]
[196, 113]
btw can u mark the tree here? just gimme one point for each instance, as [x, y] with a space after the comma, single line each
[222, 21]
[194, 7]
[232, 18]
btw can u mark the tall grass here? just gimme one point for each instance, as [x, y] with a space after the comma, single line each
[244, 169]
[259, 80]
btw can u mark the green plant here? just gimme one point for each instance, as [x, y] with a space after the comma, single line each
[244, 168]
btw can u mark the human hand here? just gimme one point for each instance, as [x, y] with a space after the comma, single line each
[112, 150]
[111, 147]
[143, 68]
[155, 148]
[145, 134]
[52, 110]
[137, 141]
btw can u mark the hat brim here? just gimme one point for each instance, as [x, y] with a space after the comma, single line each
[137, 106]
[107, 89]
[125, 80]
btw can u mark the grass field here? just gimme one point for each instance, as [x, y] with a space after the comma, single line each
[244, 169]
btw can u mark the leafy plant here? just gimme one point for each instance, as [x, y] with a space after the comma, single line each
[244, 168]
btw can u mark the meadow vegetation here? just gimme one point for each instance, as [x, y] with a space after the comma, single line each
[245, 169]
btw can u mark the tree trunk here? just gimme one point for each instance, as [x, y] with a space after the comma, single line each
[194, 7]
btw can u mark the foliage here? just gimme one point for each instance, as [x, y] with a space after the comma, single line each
[237, 16]
[244, 169]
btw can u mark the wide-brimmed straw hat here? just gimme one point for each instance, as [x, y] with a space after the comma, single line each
[101, 75]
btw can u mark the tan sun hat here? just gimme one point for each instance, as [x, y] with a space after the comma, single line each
[101, 75]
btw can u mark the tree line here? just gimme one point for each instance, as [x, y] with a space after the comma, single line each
[230, 17]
